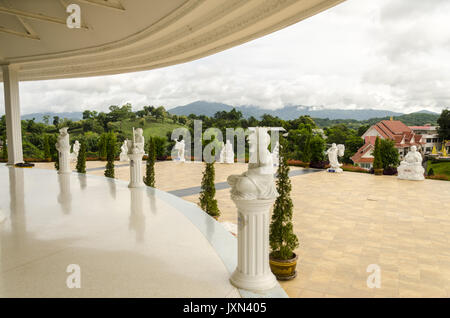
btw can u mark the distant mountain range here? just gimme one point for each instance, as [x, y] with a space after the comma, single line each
[39, 117]
[286, 113]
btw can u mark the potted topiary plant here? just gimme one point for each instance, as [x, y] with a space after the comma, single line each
[208, 203]
[283, 241]
[149, 178]
[377, 161]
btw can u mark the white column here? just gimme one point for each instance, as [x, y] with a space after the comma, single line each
[12, 112]
[64, 162]
[253, 269]
[136, 179]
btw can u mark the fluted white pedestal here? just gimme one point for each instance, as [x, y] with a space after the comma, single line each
[253, 269]
[136, 180]
[64, 162]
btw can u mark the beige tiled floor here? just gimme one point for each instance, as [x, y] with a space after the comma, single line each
[346, 222]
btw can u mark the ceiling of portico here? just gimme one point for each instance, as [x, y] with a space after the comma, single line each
[118, 36]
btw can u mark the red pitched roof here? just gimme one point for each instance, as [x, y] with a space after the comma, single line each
[357, 157]
[388, 129]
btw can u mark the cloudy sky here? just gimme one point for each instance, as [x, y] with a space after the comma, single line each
[384, 54]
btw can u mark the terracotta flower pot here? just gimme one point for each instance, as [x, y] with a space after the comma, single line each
[284, 269]
[378, 172]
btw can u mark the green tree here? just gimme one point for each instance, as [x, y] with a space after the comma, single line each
[208, 203]
[149, 179]
[81, 160]
[317, 147]
[110, 154]
[352, 144]
[377, 160]
[444, 125]
[102, 146]
[389, 154]
[56, 121]
[47, 151]
[283, 240]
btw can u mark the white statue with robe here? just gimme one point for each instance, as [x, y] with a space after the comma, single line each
[411, 166]
[333, 154]
[75, 151]
[124, 151]
[63, 147]
[178, 149]
[258, 182]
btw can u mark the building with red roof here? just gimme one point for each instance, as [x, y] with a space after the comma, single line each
[403, 136]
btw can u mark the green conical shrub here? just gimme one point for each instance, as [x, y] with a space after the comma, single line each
[81, 159]
[110, 154]
[283, 240]
[149, 178]
[208, 203]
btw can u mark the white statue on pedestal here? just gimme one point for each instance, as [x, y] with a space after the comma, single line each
[179, 147]
[276, 155]
[124, 151]
[333, 154]
[75, 151]
[135, 153]
[411, 166]
[254, 193]
[63, 147]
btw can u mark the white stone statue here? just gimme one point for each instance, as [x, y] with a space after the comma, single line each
[254, 193]
[276, 155]
[179, 148]
[229, 152]
[63, 147]
[135, 152]
[222, 153]
[226, 153]
[124, 151]
[257, 183]
[411, 166]
[75, 151]
[333, 154]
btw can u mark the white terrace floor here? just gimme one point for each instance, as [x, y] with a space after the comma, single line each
[345, 223]
[127, 242]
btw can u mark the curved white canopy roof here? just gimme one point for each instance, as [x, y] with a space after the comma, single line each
[120, 36]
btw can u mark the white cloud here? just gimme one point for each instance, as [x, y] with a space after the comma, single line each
[361, 54]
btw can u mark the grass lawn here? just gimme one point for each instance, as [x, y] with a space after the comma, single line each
[151, 128]
[440, 168]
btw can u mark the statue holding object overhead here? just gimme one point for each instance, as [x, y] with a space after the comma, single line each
[333, 154]
[411, 166]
